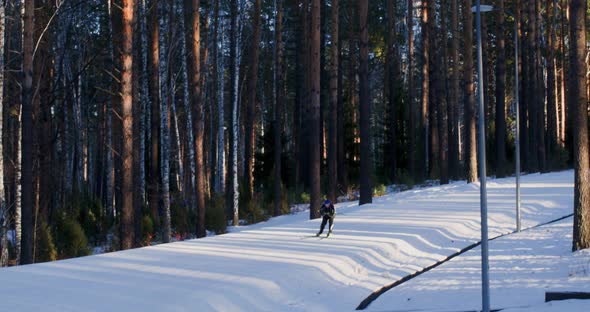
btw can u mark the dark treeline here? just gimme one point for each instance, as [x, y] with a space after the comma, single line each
[130, 121]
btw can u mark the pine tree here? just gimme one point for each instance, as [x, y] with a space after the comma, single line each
[578, 104]
[366, 185]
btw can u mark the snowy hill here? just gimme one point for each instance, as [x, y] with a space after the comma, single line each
[279, 266]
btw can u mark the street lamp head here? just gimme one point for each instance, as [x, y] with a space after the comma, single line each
[482, 8]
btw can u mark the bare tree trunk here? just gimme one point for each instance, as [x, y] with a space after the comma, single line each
[145, 99]
[471, 145]
[3, 209]
[564, 106]
[127, 230]
[278, 118]
[366, 183]
[221, 120]
[186, 101]
[333, 114]
[27, 136]
[423, 133]
[192, 8]
[552, 120]
[500, 92]
[251, 106]
[165, 90]
[413, 142]
[235, 109]
[453, 105]
[441, 87]
[314, 119]
[154, 90]
[578, 103]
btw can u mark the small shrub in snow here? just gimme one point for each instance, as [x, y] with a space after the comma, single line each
[215, 215]
[380, 190]
[71, 239]
[45, 249]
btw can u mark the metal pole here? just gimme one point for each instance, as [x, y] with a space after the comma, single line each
[517, 124]
[482, 171]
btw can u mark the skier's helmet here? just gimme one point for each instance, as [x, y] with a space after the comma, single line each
[327, 202]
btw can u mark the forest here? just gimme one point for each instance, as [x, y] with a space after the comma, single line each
[126, 123]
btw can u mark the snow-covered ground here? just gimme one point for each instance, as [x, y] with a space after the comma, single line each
[279, 266]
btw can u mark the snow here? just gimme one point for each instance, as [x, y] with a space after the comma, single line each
[279, 266]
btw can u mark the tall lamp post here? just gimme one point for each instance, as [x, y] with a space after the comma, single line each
[481, 146]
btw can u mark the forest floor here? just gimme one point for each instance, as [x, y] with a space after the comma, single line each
[279, 265]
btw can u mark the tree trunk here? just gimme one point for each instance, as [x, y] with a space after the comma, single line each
[564, 105]
[442, 103]
[453, 105]
[551, 89]
[340, 134]
[221, 120]
[366, 185]
[423, 161]
[233, 201]
[3, 209]
[391, 81]
[250, 144]
[127, 231]
[184, 46]
[578, 103]
[154, 90]
[192, 8]
[314, 114]
[27, 136]
[412, 142]
[500, 93]
[469, 100]
[165, 90]
[279, 98]
[541, 129]
[145, 99]
[333, 114]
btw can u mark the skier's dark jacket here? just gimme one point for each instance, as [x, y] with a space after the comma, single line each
[329, 211]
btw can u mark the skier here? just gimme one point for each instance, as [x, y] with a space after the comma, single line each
[328, 213]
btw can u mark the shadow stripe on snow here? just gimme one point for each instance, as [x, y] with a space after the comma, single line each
[372, 297]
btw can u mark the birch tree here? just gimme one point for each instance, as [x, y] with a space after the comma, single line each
[3, 208]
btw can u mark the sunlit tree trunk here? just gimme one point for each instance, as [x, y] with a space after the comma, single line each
[192, 9]
[127, 230]
[469, 100]
[578, 103]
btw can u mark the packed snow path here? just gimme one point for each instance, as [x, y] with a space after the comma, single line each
[279, 265]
